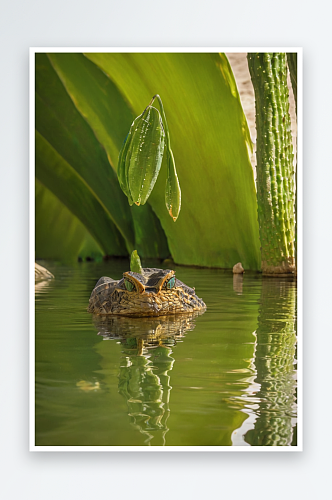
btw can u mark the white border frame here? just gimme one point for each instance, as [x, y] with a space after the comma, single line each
[299, 447]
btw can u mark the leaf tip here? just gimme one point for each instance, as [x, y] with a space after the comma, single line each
[171, 214]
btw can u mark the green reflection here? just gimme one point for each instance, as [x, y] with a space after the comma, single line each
[274, 360]
[178, 381]
[147, 394]
[146, 359]
[208, 389]
[212, 372]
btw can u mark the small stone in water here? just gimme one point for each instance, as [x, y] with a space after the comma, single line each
[238, 269]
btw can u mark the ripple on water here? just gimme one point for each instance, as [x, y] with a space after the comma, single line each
[224, 378]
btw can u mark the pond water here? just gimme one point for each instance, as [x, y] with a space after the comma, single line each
[223, 378]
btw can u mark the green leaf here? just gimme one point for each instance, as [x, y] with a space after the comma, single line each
[145, 154]
[53, 220]
[122, 171]
[217, 225]
[103, 107]
[97, 98]
[58, 176]
[172, 191]
[59, 122]
[141, 156]
[135, 263]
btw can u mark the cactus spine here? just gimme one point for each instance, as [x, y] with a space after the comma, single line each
[275, 170]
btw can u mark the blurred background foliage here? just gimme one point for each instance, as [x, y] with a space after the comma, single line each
[85, 104]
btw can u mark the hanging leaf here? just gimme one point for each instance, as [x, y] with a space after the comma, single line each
[141, 156]
[218, 223]
[173, 191]
[98, 106]
[210, 138]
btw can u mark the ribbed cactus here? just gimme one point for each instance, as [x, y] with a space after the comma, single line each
[292, 66]
[275, 170]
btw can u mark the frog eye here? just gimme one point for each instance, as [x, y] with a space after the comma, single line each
[129, 285]
[170, 283]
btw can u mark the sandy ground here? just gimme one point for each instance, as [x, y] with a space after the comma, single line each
[238, 62]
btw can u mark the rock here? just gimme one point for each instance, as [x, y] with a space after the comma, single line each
[41, 273]
[238, 269]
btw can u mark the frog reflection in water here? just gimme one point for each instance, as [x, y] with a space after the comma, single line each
[144, 378]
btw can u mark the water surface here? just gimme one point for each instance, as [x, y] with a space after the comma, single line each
[223, 378]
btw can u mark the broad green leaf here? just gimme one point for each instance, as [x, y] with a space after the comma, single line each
[217, 225]
[53, 220]
[97, 99]
[101, 104]
[58, 176]
[59, 122]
